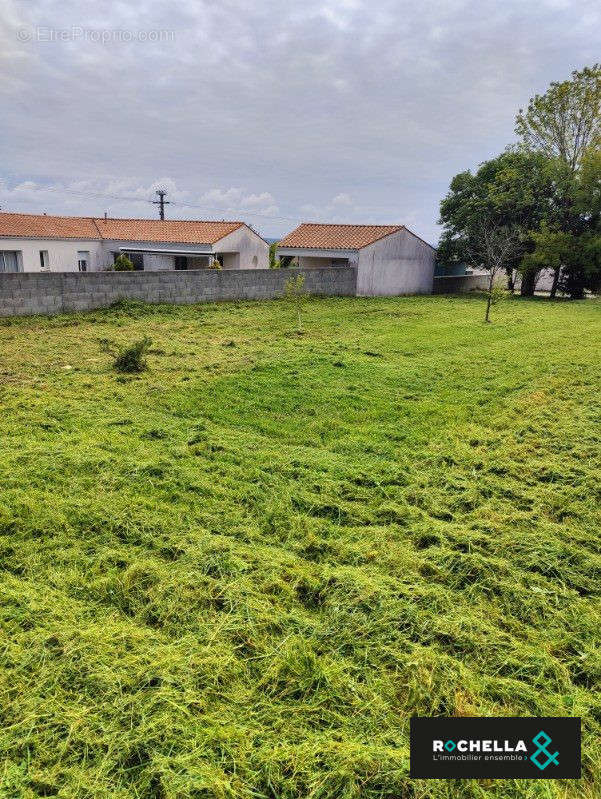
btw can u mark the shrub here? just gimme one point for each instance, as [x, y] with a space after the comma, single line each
[123, 264]
[274, 261]
[130, 358]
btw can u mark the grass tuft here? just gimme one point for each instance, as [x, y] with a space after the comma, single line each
[131, 358]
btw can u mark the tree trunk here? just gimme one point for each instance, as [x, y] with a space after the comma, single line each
[556, 274]
[510, 281]
[528, 284]
[487, 315]
[577, 292]
[489, 298]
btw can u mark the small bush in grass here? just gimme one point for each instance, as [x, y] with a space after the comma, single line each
[130, 358]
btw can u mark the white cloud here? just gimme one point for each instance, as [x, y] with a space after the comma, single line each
[128, 197]
[274, 109]
[342, 199]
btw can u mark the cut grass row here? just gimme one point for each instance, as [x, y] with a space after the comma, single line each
[240, 573]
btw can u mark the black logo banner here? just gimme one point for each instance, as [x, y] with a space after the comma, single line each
[503, 748]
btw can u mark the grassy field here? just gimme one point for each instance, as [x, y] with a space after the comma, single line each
[239, 573]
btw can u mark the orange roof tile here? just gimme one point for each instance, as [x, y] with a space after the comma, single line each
[47, 227]
[171, 230]
[86, 227]
[319, 236]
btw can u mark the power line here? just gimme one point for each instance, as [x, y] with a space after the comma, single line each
[120, 198]
[250, 213]
[89, 195]
[200, 206]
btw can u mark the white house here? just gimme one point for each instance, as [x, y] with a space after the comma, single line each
[41, 243]
[390, 259]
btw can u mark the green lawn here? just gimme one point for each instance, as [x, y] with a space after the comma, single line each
[239, 573]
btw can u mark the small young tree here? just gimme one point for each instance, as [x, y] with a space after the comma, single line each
[123, 264]
[274, 261]
[493, 248]
[295, 293]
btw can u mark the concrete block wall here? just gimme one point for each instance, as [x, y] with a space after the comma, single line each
[27, 293]
[459, 284]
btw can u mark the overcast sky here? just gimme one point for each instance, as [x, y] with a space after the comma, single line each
[273, 112]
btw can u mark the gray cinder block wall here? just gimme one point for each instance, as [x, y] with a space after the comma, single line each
[459, 284]
[26, 293]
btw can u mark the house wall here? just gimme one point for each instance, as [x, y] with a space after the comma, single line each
[153, 262]
[202, 262]
[309, 262]
[156, 262]
[249, 250]
[62, 253]
[314, 258]
[459, 284]
[396, 264]
[242, 249]
[22, 294]
[313, 262]
[231, 260]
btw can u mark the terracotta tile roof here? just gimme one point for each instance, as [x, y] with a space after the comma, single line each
[170, 230]
[87, 227]
[47, 227]
[336, 237]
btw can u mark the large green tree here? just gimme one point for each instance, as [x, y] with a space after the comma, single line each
[565, 121]
[569, 242]
[548, 187]
[564, 124]
[518, 190]
[575, 259]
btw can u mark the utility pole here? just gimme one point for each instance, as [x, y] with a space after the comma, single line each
[161, 202]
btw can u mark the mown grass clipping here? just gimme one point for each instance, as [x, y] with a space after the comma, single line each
[239, 572]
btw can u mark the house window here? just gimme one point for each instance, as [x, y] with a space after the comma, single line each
[181, 262]
[83, 259]
[44, 263]
[339, 261]
[10, 261]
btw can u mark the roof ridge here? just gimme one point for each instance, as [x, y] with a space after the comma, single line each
[122, 218]
[352, 224]
[154, 219]
[342, 235]
[48, 216]
[96, 228]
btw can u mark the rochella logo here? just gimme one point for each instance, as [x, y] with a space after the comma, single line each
[471, 745]
[542, 740]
